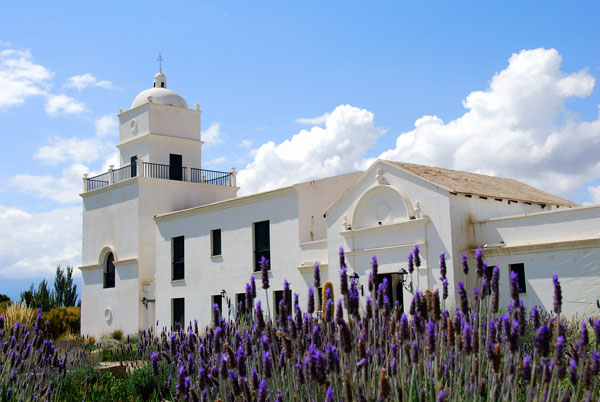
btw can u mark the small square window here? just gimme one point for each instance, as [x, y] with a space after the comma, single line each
[215, 240]
[519, 269]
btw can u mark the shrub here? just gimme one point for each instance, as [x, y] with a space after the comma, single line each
[117, 335]
[18, 312]
[62, 320]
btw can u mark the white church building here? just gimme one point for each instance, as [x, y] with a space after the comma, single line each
[164, 239]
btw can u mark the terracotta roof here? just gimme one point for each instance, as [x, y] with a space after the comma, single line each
[483, 185]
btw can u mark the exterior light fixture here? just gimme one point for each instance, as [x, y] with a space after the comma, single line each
[357, 280]
[403, 273]
[223, 293]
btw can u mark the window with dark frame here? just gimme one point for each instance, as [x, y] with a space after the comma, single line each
[218, 300]
[240, 303]
[262, 243]
[109, 272]
[178, 312]
[178, 266]
[519, 269]
[215, 236]
[278, 296]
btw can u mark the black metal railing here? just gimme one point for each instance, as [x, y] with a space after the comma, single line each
[210, 177]
[96, 182]
[158, 171]
[123, 173]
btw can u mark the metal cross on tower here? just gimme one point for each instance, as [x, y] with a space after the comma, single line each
[160, 60]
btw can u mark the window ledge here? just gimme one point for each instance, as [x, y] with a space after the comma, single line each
[178, 280]
[217, 256]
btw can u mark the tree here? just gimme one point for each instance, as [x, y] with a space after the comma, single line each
[4, 298]
[40, 298]
[65, 291]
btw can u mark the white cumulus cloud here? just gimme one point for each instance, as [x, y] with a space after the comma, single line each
[33, 244]
[348, 134]
[519, 127]
[21, 78]
[595, 193]
[212, 135]
[317, 121]
[80, 82]
[63, 189]
[63, 104]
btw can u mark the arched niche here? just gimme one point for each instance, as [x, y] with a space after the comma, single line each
[382, 205]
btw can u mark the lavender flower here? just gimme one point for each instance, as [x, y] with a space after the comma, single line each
[416, 256]
[253, 285]
[557, 294]
[465, 265]
[248, 297]
[595, 363]
[154, 359]
[262, 393]
[267, 365]
[464, 302]
[317, 276]
[311, 301]
[369, 308]
[342, 258]
[542, 340]
[430, 336]
[411, 267]
[514, 288]
[526, 369]
[344, 280]
[329, 310]
[374, 269]
[443, 265]
[287, 294]
[329, 396]
[445, 289]
[479, 262]
[264, 267]
[441, 396]
[573, 373]
[467, 339]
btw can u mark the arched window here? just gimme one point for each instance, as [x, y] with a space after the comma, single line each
[109, 271]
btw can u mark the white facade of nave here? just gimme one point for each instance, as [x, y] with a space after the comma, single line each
[155, 220]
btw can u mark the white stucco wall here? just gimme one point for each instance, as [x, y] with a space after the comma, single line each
[392, 242]
[563, 241]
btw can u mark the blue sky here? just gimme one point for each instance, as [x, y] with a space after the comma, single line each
[292, 91]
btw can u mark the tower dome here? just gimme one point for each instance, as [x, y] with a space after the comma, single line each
[159, 94]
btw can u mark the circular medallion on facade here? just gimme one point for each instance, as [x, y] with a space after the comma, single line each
[134, 127]
[383, 211]
[107, 314]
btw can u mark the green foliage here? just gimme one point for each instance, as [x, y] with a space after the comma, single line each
[65, 292]
[117, 335]
[62, 320]
[90, 385]
[4, 298]
[63, 295]
[4, 305]
[40, 298]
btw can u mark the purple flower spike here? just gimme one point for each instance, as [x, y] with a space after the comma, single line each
[253, 285]
[267, 365]
[527, 369]
[342, 258]
[557, 294]
[329, 396]
[479, 262]
[311, 301]
[445, 289]
[430, 337]
[416, 256]
[542, 340]
[514, 288]
[443, 265]
[595, 363]
[264, 268]
[573, 373]
[464, 302]
[317, 276]
[374, 269]
[344, 280]
[411, 266]
[154, 359]
[441, 396]
[465, 265]
[262, 392]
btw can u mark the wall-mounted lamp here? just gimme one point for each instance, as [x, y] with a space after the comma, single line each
[223, 293]
[403, 277]
[357, 281]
